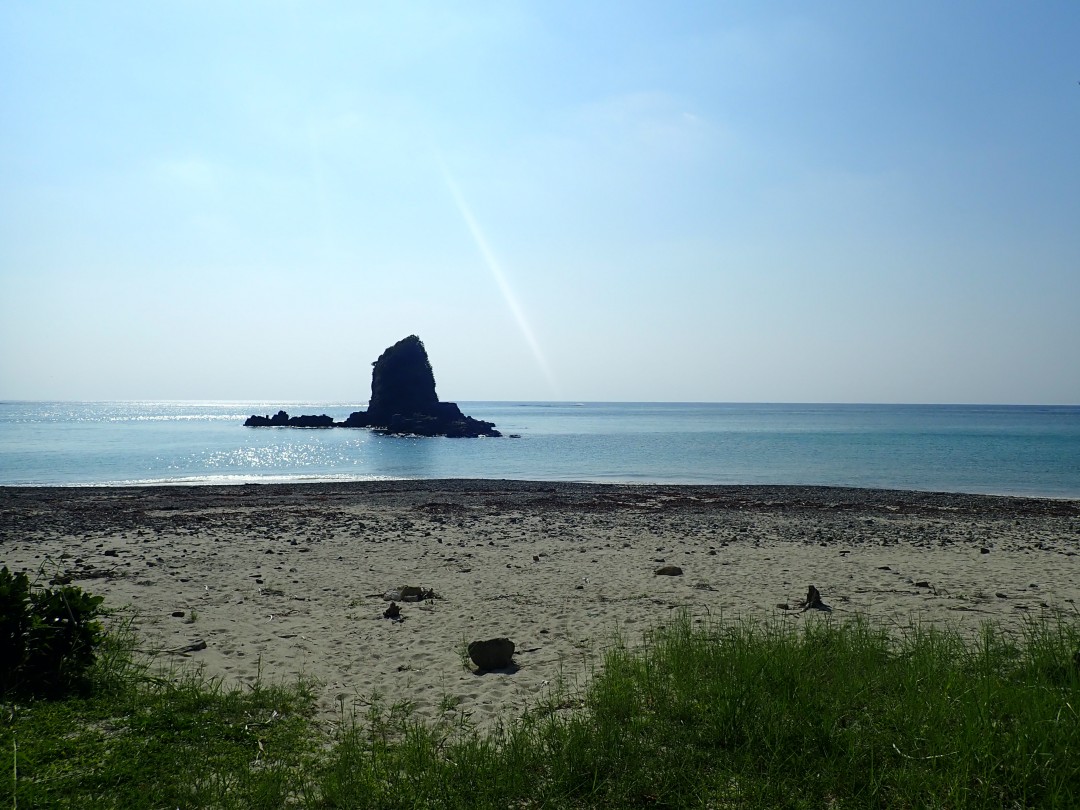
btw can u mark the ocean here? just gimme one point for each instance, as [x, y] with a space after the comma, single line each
[1004, 450]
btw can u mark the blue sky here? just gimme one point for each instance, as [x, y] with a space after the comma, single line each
[792, 202]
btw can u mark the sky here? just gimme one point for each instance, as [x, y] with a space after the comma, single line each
[582, 201]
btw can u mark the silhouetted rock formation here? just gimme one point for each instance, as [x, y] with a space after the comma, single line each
[403, 401]
[402, 382]
[282, 419]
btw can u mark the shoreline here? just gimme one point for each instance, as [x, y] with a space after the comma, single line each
[804, 495]
[287, 580]
[794, 495]
[361, 483]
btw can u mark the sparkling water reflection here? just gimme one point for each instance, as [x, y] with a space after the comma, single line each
[991, 449]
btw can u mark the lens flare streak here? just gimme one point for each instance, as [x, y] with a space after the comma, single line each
[497, 272]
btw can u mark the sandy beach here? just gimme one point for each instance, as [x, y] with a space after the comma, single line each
[289, 580]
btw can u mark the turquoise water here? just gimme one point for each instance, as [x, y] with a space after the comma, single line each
[981, 449]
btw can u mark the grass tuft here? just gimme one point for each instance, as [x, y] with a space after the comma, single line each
[145, 741]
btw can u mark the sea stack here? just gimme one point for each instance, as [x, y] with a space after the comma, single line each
[402, 382]
[403, 401]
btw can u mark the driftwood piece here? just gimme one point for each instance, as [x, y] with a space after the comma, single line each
[189, 648]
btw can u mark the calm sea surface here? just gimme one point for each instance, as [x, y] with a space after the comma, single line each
[980, 449]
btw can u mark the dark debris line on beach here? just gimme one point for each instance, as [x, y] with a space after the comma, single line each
[66, 510]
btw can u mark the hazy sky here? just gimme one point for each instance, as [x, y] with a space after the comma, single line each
[715, 201]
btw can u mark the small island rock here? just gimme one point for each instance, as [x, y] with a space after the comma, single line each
[403, 401]
[282, 419]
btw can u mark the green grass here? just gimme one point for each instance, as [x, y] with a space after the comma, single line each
[143, 741]
[750, 714]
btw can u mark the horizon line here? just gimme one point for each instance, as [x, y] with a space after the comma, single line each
[358, 403]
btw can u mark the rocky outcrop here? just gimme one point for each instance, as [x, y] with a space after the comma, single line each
[402, 382]
[403, 401]
[447, 421]
[282, 419]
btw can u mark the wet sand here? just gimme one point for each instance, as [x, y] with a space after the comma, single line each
[288, 580]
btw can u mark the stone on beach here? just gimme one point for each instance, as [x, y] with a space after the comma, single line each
[668, 571]
[494, 653]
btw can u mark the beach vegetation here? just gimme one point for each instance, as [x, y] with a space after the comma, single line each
[463, 654]
[141, 738]
[48, 636]
[762, 714]
[448, 703]
[824, 712]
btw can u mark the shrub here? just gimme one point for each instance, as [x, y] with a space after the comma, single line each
[48, 636]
